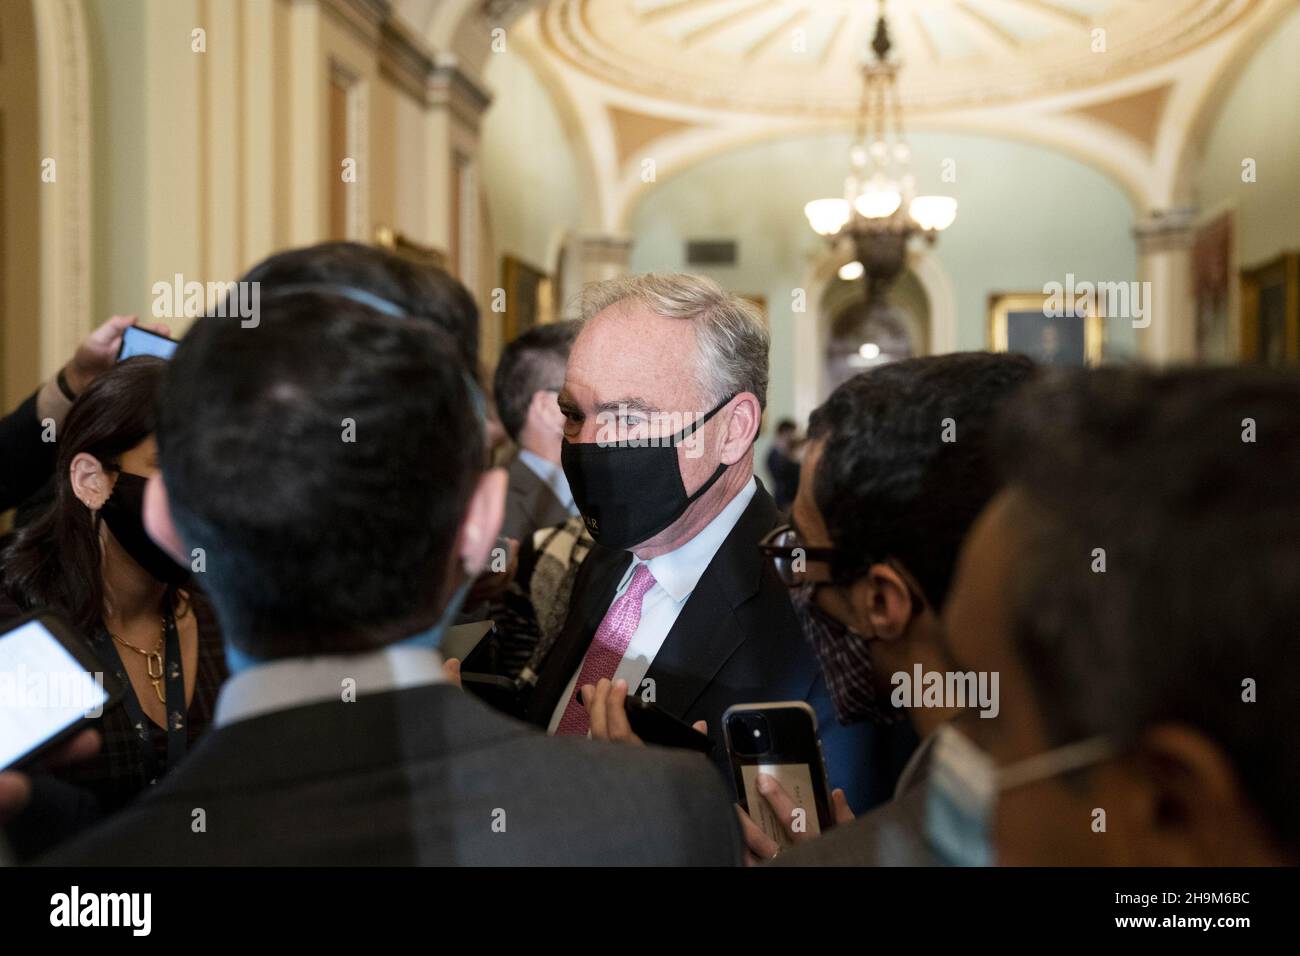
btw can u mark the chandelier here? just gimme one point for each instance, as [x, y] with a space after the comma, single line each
[879, 212]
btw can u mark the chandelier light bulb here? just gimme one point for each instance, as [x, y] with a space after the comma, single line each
[827, 216]
[933, 213]
[879, 200]
[851, 271]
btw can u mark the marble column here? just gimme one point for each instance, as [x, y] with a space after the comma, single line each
[1164, 239]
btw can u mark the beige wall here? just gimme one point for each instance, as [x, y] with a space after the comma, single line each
[20, 185]
[209, 161]
[1259, 120]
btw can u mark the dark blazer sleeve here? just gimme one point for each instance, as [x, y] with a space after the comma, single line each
[25, 461]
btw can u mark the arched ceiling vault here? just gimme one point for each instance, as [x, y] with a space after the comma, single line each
[684, 80]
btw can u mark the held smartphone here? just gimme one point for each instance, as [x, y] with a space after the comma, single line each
[138, 341]
[50, 686]
[780, 740]
[657, 726]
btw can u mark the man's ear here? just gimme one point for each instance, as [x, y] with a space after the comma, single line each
[742, 423]
[545, 411]
[883, 602]
[483, 517]
[158, 523]
[1181, 804]
[90, 482]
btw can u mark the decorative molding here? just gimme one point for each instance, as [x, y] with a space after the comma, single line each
[1164, 229]
[63, 65]
[689, 53]
[364, 17]
[404, 59]
[453, 88]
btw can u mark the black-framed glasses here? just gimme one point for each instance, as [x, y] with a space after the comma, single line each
[790, 556]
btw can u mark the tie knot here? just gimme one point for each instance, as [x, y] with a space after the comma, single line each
[642, 581]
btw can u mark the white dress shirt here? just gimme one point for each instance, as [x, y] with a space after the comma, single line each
[552, 475]
[676, 574]
[298, 681]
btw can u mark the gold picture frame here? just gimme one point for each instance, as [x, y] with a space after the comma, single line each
[406, 247]
[1270, 312]
[529, 298]
[1058, 343]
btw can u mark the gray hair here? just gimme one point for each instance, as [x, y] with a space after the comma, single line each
[730, 338]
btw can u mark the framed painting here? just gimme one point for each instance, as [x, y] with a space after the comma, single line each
[409, 249]
[528, 297]
[1212, 288]
[1024, 322]
[1270, 312]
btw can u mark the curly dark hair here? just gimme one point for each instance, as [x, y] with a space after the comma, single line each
[905, 465]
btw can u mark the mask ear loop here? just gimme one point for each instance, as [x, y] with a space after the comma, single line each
[1060, 760]
[685, 435]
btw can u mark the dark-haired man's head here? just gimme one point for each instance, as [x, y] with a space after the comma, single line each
[420, 291]
[898, 467]
[786, 433]
[1137, 584]
[329, 465]
[528, 380]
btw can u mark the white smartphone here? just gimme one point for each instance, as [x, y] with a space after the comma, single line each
[50, 686]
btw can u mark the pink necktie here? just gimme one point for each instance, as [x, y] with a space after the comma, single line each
[607, 648]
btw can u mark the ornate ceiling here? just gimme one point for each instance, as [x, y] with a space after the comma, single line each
[803, 56]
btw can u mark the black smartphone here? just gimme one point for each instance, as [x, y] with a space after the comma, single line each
[138, 341]
[656, 726]
[778, 739]
[50, 687]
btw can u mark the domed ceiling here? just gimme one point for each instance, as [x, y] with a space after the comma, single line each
[804, 56]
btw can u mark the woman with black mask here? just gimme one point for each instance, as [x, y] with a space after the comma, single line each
[88, 557]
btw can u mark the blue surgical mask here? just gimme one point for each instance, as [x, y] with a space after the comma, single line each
[965, 782]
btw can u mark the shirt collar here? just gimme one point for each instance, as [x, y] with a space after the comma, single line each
[677, 572]
[551, 474]
[297, 681]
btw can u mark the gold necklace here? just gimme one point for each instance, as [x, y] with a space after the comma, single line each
[153, 661]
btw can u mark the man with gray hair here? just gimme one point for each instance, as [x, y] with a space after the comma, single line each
[662, 400]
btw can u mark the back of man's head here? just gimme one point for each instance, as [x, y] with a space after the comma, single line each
[419, 291]
[1185, 485]
[531, 363]
[323, 461]
[905, 464]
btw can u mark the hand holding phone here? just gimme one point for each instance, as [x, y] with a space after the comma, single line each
[779, 739]
[140, 341]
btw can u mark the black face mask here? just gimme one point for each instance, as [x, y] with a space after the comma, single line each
[123, 512]
[630, 492]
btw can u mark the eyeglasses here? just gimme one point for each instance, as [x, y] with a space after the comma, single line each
[790, 556]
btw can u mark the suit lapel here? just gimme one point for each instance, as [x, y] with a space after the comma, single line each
[593, 592]
[709, 630]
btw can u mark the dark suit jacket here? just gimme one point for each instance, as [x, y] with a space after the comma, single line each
[736, 640]
[530, 503]
[418, 776]
[25, 461]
